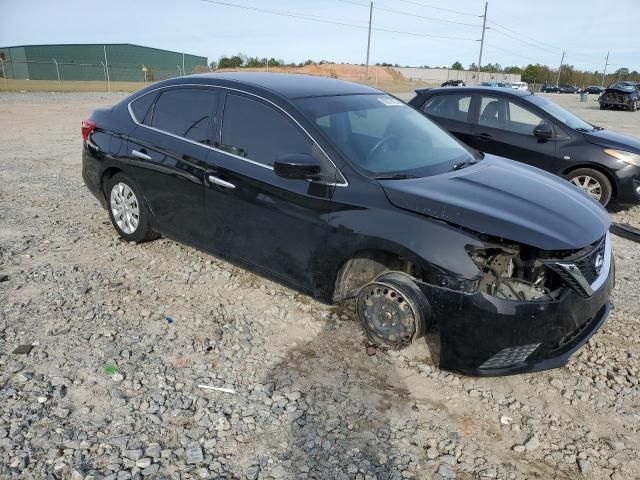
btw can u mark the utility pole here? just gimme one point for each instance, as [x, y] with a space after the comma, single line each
[57, 69]
[560, 69]
[604, 72]
[484, 27]
[4, 74]
[106, 63]
[366, 68]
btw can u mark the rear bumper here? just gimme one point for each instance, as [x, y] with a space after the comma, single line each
[485, 336]
[92, 170]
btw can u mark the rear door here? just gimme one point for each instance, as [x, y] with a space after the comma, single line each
[504, 127]
[452, 112]
[276, 225]
[168, 151]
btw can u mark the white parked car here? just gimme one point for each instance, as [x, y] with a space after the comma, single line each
[520, 86]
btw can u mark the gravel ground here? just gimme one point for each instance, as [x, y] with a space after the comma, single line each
[110, 387]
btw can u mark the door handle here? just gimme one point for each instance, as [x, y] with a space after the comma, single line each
[483, 136]
[141, 155]
[220, 182]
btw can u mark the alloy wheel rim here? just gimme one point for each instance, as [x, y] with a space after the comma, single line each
[589, 185]
[125, 208]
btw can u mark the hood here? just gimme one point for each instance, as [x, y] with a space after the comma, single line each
[505, 199]
[609, 139]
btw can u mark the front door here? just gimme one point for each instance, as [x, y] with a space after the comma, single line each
[276, 225]
[505, 128]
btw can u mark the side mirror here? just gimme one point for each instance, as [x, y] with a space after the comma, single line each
[297, 166]
[544, 130]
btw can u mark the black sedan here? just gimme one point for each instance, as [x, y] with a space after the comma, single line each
[568, 89]
[453, 83]
[620, 95]
[532, 129]
[548, 88]
[342, 191]
[594, 90]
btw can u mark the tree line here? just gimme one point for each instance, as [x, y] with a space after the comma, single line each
[531, 73]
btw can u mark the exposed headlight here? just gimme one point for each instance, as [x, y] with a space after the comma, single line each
[627, 157]
[508, 273]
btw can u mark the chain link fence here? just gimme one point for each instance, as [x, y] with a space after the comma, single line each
[65, 75]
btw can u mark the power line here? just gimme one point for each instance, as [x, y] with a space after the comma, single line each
[523, 41]
[514, 53]
[425, 5]
[523, 35]
[414, 15]
[333, 21]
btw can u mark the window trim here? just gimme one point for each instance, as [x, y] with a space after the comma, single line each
[344, 182]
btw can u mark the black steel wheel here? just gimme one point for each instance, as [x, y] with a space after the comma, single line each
[393, 311]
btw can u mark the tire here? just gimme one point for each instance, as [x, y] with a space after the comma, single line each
[634, 106]
[587, 178]
[128, 212]
[603, 107]
[393, 311]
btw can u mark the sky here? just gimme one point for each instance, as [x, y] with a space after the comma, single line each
[406, 32]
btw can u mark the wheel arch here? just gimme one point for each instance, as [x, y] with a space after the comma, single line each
[599, 168]
[367, 264]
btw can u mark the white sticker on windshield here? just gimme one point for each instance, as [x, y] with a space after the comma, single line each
[390, 101]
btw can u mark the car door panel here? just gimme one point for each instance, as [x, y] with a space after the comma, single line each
[505, 128]
[274, 224]
[451, 112]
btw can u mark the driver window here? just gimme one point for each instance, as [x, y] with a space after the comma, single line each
[522, 120]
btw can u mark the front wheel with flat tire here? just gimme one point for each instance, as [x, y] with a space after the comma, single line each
[393, 311]
[128, 212]
[594, 183]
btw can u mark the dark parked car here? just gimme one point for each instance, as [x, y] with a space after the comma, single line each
[568, 89]
[620, 95]
[595, 90]
[532, 129]
[547, 88]
[453, 83]
[341, 191]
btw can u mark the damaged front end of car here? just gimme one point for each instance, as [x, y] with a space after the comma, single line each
[527, 310]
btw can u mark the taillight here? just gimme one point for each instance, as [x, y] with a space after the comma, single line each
[87, 127]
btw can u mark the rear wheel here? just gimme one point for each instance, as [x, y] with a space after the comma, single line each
[128, 212]
[393, 311]
[592, 182]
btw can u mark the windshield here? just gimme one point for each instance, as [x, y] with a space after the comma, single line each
[383, 136]
[622, 86]
[560, 113]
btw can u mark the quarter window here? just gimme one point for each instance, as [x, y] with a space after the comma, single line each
[256, 131]
[186, 112]
[452, 107]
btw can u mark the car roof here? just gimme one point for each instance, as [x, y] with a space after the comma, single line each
[289, 85]
[507, 91]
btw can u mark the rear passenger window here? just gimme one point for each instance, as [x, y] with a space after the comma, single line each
[256, 131]
[452, 107]
[186, 112]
